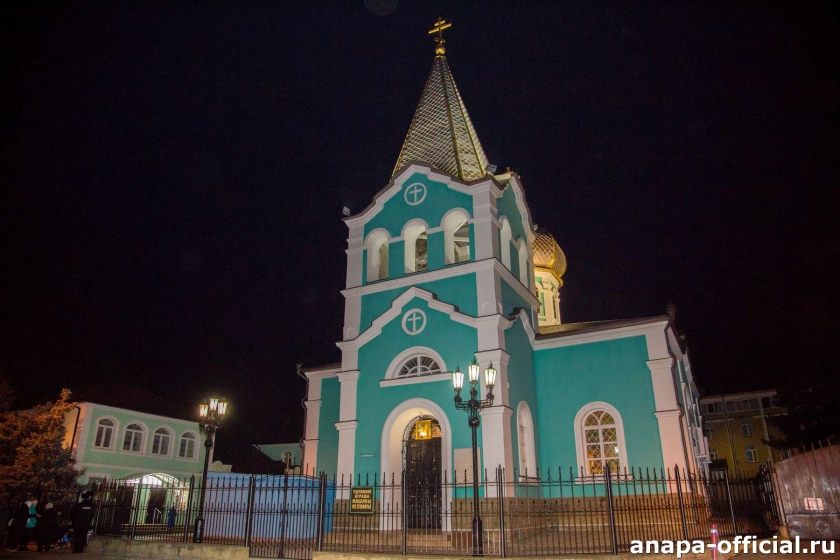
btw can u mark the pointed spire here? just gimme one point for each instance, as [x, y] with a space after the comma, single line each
[441, 133]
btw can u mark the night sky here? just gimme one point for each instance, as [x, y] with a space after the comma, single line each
[173, 176]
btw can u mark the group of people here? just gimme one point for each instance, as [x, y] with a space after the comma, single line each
[45, 525]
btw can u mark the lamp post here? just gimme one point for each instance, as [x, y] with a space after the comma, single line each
[472, 407]
[210, 420]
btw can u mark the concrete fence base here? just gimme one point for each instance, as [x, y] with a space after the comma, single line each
[113, 547]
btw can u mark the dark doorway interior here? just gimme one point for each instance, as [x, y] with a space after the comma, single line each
[422, 474]
[157, 503]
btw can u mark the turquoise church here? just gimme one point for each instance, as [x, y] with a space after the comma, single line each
[446, 266]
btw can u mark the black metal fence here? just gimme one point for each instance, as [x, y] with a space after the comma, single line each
[557, 512]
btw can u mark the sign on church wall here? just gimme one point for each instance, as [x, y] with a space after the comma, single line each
[463, 464]
[361, 500]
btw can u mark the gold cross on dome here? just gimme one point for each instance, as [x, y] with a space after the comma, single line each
[440, 25]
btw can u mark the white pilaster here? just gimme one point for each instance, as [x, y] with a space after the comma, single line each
[489, 292]
[668, 412]
[346, 449]
[355, 250]
[309, 461]
[347, 404]
[495, 421]
[671, 436]
[496, 443]
[485, 226]
[352, 315]
[347, 423]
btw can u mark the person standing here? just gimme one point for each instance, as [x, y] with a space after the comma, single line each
[16, 539]
[82, 516]
[170, 519]
[48, 529]
[5, 513]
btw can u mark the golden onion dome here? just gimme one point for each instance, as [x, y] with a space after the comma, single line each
[548, 254]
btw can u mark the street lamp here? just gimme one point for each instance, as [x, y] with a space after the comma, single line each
[473, 406]
[210, 420]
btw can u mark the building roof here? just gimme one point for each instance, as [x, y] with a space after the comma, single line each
[568, 329]
[441, 133]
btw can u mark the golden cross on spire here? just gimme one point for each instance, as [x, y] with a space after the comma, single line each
[440, 25]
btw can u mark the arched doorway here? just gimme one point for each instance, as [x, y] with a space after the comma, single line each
[422, 463]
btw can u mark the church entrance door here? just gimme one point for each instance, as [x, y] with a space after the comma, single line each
[422, 452]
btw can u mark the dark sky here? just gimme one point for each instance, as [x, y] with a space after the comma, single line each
[173, 176]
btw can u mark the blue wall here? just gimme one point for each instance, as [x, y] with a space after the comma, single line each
[613, 371]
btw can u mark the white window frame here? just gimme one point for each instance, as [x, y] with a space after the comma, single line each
[580, 441]
[170, 433]
[411, 231]
[115, 430]
[528, 472]
[195, 440]
[713, 454]
[709, 432]
[143, 438]
[392, 373]
[750, 450]
[746, 427]
[375, 240]
[450, 222]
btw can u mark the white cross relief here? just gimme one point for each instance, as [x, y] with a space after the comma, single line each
[414, 321]
[415, 193]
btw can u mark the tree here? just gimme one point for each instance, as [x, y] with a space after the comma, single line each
[813, 415]
[32, 453]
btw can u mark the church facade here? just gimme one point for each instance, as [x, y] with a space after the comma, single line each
[445, 267]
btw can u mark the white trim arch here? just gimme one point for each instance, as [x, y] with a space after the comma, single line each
[400, 359]
[411, 231]
[115, 434]
[170, 433]
[144, 439]
[505, 238]
[451, 222]
[196, 447]
[391, 449]
[580, 441]
[525, 439]
[377, 267]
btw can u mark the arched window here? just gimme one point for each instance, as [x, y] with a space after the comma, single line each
[456, 237]
[104, 434]
[187, 450]
[133, 440]
[417, 366]
[377, 256]
[416, 248]
[525, 433]
[505, 238]
[162, 442]
[600, 439]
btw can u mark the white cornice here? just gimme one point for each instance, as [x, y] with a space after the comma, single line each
[599, 336]
[421, 277]
[98, 406]
[416, 379]
[402, 300]
[322, 374]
